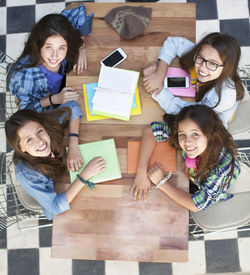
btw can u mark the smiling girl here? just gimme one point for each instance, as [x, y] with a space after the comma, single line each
[39, 158]
[212, 65]
[55, 46]
[209, 153]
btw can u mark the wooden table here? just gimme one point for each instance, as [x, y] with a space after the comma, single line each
[106, 224]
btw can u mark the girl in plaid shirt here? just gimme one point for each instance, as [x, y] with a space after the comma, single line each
[208, 150]
[55, 46]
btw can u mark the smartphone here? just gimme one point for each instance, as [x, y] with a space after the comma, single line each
[115, 58]
[176, 82]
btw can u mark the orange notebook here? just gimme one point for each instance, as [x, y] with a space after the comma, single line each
[163, 153]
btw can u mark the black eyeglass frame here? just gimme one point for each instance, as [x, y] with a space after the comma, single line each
[205, 60]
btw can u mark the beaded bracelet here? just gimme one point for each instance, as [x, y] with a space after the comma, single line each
[163, 180]
[89, 184]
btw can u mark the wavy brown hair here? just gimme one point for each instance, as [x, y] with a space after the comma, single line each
[52, 24]
[211, 126]
[51, 167]
[229, 52]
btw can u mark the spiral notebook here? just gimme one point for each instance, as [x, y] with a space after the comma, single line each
[107, 150]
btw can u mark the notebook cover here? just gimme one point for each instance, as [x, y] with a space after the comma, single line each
[89, 91]
[106, 149]
[185, 92]
[163, 153]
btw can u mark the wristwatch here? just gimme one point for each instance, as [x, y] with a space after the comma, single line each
[161, 182]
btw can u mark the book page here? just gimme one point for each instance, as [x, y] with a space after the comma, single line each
[118, 79]
[113, 102]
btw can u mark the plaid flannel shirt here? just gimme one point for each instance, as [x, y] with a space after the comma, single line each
[29, 85]
[212, 189]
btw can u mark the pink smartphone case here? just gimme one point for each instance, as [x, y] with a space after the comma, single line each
[184, 92]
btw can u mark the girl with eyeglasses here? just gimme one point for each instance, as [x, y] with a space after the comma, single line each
[212, 65]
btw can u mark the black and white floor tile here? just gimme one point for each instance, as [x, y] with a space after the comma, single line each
[28, 252]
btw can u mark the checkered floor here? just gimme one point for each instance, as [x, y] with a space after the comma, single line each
[28, 252]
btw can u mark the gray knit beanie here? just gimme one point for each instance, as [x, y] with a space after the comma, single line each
[129, 21]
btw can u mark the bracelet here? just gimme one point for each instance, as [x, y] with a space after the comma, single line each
[50, 100]
[163, 180]
[73, 135]
[89, 184]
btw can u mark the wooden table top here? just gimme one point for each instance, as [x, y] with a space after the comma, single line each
[106, 224]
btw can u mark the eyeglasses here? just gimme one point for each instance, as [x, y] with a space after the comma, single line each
[212, 66]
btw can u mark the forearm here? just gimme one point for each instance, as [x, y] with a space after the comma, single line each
[74, 126]
[147, 146]
[181, 197]
[162, 68]
[45, 102]
[74, 189]
[83, 37]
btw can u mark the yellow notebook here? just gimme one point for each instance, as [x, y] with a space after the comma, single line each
[89, 91]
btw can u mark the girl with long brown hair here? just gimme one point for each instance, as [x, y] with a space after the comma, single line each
[55, 46]
[208, 150]
[39, 158]
[212, 65]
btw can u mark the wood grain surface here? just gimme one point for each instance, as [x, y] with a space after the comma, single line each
[168, 19]
[106, 223]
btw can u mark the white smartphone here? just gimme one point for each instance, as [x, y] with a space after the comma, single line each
[115, 58]
[176, 82]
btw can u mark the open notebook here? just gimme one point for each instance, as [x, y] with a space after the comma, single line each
[107, 150]
[115, 93]
[89, 92]
[163, 153]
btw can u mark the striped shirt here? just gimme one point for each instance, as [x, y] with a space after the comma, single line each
[212, 189]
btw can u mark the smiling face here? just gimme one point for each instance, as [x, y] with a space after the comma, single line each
[211, 54]
[34, 139]
[191, 138]
[53, 52]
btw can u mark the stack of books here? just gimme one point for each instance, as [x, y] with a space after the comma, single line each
[115, 95]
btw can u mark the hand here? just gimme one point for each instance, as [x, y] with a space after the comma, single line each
[155, 173]
[154, 83]
[74, 158]
[141, 186]
[81, 62]
[67, 94]
[94, 167]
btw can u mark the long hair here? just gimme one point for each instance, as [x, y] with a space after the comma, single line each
[52, 24]
[48, 166]
[229, 52]
[211, 126]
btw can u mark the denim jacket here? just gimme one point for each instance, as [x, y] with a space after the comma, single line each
[39, 186]
[177, 46]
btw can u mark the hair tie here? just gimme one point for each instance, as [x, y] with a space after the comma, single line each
[73, 135]
[50, 100]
